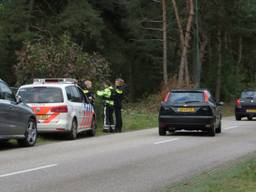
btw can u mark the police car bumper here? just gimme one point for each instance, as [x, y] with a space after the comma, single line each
[55, 126]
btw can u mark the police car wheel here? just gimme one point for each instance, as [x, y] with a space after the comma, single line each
[92, 132]
[73, 132]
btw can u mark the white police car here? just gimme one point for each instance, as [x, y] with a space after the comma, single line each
[60, 106]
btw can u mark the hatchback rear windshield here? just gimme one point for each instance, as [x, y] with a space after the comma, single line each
[186, 97]
[248, 95]
[41, 95]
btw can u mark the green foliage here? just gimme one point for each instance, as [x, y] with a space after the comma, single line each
[82, 22]
[59, 59]
[128, 35]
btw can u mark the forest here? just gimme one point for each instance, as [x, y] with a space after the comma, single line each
[148, 43]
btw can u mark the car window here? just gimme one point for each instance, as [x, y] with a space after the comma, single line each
[41, 95]
[186, 97]
[86, 100]
[248, 95]
[77, 97]
[69, 93]
[6, 93]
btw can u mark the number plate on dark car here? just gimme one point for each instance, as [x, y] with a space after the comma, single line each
[186, 110]
[251, 110]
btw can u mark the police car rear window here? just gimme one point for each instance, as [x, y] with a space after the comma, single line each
[41, 95]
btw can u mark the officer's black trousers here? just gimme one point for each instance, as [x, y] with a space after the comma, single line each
[109, 117]
[119, 122]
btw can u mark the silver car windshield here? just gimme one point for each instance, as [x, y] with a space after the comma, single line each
[41, 95]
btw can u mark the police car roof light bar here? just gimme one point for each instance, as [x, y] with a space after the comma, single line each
[55, 80]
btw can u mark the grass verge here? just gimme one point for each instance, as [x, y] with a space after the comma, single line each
[238, 176]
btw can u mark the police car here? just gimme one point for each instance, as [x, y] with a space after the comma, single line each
[60, 106]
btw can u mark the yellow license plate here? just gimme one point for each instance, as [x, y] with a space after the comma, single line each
[186, 110]
[42, 117]
[251, 110]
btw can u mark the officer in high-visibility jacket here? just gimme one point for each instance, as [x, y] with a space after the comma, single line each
[118, 96]
[107, 96]
[88, 91]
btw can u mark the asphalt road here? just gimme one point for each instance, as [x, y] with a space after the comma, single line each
[135, 161]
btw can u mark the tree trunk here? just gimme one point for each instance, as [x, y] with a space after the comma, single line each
[183, 76]
[203, 47]
[31, 6]
[177, 15]
[219, 67]
[165, 73]
[240, 54]
[182, 40]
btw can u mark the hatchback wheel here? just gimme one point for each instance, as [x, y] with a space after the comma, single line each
[218, 130]
[238, 117]
[249, 118]
[73, 132]
[212, 130]
[30, 135]
[162, 131]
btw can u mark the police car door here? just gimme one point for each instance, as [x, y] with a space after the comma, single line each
[79, 106]
[88, 111]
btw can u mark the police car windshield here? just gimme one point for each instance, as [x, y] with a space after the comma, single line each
[41, 95]
[186, 97]
[248, 95]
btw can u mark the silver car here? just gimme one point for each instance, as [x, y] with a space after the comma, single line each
[17, 120]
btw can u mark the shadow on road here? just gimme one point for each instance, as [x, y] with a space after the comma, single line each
[7, 145]
[189, 133]
[42, 139]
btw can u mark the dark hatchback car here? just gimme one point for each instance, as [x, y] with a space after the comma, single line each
[246, 105]
[190, 110]
[17, 120]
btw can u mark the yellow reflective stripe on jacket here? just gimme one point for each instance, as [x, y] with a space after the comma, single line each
[110, 102]
[119, 91]
[86, 91]
[106, 92]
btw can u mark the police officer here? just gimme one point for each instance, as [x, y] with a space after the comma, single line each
[107, 96]
[88, 91]
[118, 96]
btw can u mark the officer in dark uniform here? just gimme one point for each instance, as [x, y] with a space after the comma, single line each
[88, 91]
[118, 96]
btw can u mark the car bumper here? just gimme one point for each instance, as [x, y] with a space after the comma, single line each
[189, 122]
[244, 112]
[59, 126]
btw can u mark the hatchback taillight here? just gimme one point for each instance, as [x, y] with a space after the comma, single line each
[206, 96]
[60, 109]
[238, 103]
[167, 96]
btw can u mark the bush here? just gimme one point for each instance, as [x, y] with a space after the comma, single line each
[63, 58]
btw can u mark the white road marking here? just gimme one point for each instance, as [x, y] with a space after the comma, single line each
[233, 127]
[166, 141]
[28, 170]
